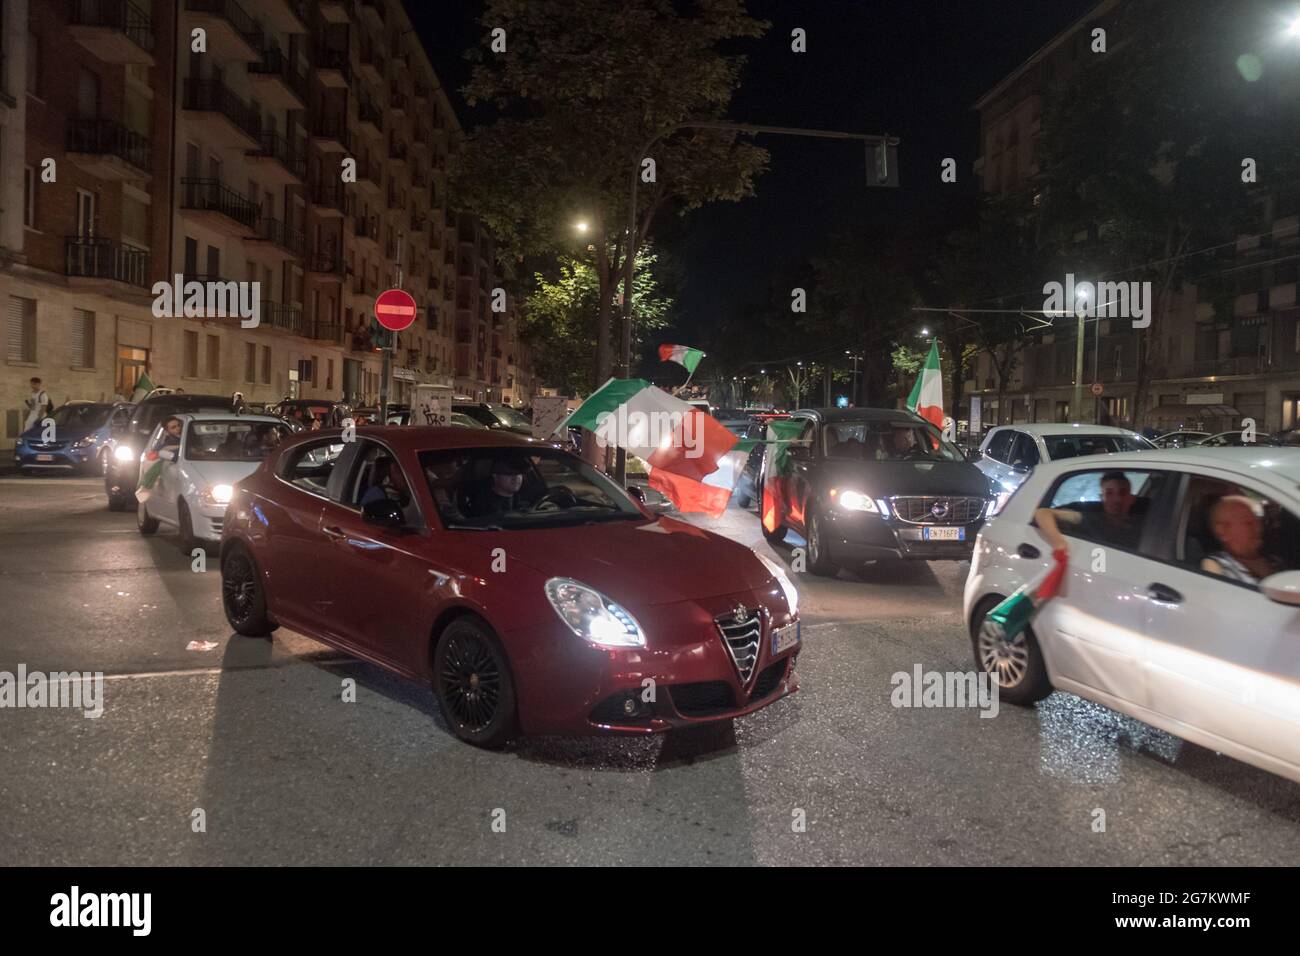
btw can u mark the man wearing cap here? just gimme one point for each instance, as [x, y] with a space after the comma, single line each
[502, 494]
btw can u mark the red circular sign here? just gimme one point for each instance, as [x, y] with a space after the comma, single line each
[395, 309]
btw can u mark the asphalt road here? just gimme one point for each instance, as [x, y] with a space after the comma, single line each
[254, 734]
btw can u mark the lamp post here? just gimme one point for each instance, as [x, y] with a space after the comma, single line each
[1080, 311]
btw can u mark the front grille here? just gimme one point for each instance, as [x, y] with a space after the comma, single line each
[216, 525]
[769, 679]
[921, 509]
[704, 699]
[47, 445]
[742, 639]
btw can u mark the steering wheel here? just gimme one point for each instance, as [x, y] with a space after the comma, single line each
[561, 496]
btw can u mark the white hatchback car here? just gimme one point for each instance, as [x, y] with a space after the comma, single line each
[1140, 624]
[196, 479]
[1010, 452]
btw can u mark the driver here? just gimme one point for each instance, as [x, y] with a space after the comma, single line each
[502, 493]
[386, 481]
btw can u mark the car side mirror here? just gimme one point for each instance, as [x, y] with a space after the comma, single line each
[1283, 587]
[384, 512]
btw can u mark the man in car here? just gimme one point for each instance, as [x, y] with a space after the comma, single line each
[1238, 526]
[1112, 522]
[502, 493]
[386, 481]
[171, 435]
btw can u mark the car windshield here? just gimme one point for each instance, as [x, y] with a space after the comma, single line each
[1073, 446]
[887, 441]
[234, 440]
[151, 417]
[511, 418]
[517, 488]
[81, 416]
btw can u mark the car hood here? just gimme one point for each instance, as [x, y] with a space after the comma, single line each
[887, 478]
[640, 563]
[220, 472]
[65, 433]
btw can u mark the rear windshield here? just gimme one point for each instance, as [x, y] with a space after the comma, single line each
[81, 416]
[1074, 446]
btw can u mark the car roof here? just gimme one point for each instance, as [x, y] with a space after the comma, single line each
[185, 398]
[229, 417]
[1047, 429]
[1281, 463]
[832, 415]
[417, 438]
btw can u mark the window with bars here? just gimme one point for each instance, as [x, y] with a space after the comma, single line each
[20, 343]
[191, 367]
[83, 339]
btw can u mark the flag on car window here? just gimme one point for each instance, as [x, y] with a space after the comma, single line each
[683, 355]
[776, 467]
[1012, 616]
[926, 399]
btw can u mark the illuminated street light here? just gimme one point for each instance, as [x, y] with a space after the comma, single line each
[1293, 31]
[581, 225]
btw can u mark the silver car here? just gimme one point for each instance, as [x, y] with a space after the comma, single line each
[1010, 452]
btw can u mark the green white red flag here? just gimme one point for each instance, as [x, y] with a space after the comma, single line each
[926, 399]
[683, 355]
[690, 456]
[776, 468]
[1006, 621]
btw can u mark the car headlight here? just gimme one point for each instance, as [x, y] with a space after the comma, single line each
[592, 616]
[857, 501]
[778, 572]
[124, 453]
[84, 442]
[999, 502]
[218, 494]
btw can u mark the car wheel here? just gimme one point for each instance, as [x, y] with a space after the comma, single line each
[243, 596]
[146, 524]
[1017, 665]
[819, 554]
[473, 684]
[186, 526]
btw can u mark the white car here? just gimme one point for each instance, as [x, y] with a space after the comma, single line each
[1010, 452]
[187, 487]
[1140, 625]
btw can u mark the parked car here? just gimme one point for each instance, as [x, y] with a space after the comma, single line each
[197, 478]
[82, 438]
[1235, 439]
[1180, 439]
[1156, 636]
[496, 417]
[458, 419]
[1010, 452]
[593, 598]
[868, 484]
[123, 472]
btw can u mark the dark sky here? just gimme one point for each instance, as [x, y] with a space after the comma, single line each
[912, 68]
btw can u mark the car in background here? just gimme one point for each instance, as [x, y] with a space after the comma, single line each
[1157, 636]
[1010, 452]
[1235, 439]
[300, 413]
[868, 484]
[387, 552]
[458, 419]
[83, 433]
[195, 481]
[748, 428]
[123, 472]
[496, 417]
[1180, 439]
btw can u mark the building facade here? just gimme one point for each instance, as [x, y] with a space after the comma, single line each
[301, 146]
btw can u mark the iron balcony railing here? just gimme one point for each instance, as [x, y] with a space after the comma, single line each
[106, 137]
[214, 96]
[327, 262]
[120, 15]
[397, 152]
[331, 59]
[279, 149]
[367, 112]
[281, 316]
[94, 258]
[366, 228]
[235, 15]
[331, 127]
[282, 234]
[327, 194]
[212, 195]
[326, 331]
[275, 63]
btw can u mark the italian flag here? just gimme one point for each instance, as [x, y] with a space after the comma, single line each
[143, 386]
[690, 457]
[776, 468]
[1008, 619]
[926, 399]
[683, 355]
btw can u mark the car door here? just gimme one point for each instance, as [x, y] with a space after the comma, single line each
[161, 503]
[802, 469]
[1092, 632]
[373, 575]
[1223, 657]
[994, 455]
[1021, 461]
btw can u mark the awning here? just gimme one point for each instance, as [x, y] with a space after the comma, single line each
[1194, 411]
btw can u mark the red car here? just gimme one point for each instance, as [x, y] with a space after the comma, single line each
[530, 592]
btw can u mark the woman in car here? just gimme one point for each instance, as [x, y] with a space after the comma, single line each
[1238, 526]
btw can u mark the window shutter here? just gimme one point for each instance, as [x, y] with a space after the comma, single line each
[15, 329]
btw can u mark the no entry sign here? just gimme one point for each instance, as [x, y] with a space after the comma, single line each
[395, 309]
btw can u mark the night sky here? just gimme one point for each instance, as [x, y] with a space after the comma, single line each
[911, 68]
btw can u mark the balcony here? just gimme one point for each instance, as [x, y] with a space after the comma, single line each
[115, 31]
[370, 64]
[331, 134]
[103, 260]
[333, 68]
[395, 199]
[232, 33]
[419, 178]
[369, 117]
[373, 12]
[108, 150]
[278, 240]
[284, 16]
[421, 93]
[288, 318]
[335, 11]
[326, 332]
[418, 223]
[366, 230]
[277, 161]
[327, 197]
[397, 103]
[397, 152]
[369, 176]
[326, 264]
[218, 206]
[276, 82]
[222, 115]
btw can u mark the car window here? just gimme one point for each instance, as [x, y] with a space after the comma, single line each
[81, 416]
[1073, 446]
[886, 441]
[1107, 506]
[1000, 445]
[1024, 451]
[310, 465]
[233, 440]
[376, 475]
[1235, 532]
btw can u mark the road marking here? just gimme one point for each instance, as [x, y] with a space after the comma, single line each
[210, 671]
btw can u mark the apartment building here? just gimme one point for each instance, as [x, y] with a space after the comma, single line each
[1212, 363]
[218, 141]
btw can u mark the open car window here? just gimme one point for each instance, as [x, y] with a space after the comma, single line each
[233, 440]
[309, 466]
[1106, 515]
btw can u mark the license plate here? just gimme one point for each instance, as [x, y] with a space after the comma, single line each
[45, 458]
[784, 638]
[943, 534]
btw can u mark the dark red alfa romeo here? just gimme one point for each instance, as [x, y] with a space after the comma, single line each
[530, 592]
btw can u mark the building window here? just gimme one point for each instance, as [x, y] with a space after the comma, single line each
[83, 339]
[329, 375]
[250, 362]
[29, 197]
[191, 367]
[214, 357]
[21, 345]
[266, 365]
[33, 63]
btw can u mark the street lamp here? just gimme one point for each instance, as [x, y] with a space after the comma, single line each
[1293, 30]
[581, 225]
[1080, 311]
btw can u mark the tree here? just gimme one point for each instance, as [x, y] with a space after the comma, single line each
[581, 88]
